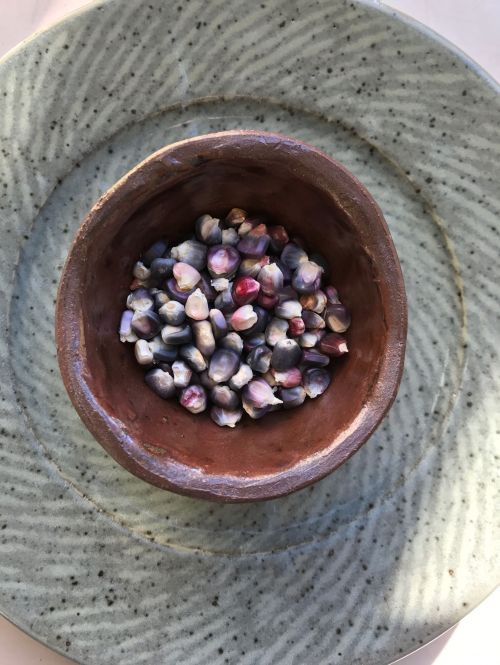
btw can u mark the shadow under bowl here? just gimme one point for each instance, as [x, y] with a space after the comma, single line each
[315, 198]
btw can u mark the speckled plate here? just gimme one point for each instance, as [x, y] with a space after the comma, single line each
[399, 543]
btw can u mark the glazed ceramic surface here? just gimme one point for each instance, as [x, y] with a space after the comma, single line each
[401, 541]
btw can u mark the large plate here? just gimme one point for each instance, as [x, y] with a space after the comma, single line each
[400, 542]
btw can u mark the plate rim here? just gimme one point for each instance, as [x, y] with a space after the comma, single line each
[378, 5]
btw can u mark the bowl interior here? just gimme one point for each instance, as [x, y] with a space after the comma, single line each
[167, 208]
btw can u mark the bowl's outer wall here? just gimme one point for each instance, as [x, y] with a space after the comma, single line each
[316, 199]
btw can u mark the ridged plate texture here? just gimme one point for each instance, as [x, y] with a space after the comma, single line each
[399, 543]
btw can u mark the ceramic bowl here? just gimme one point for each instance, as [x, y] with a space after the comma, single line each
[314, 197]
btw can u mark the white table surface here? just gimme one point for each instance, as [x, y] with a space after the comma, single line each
[474, 26]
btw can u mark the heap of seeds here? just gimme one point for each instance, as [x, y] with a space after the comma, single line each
[234, 319]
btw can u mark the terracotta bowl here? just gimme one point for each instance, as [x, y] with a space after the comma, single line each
[314, 197]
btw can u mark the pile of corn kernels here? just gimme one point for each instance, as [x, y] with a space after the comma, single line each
[234, 320]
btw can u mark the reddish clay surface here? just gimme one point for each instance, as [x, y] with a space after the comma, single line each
[312, 196]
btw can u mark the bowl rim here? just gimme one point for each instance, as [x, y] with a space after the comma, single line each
[181, 478]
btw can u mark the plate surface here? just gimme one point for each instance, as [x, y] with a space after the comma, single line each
[400, 542]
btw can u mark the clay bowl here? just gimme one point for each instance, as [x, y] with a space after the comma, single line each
[314, 197]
